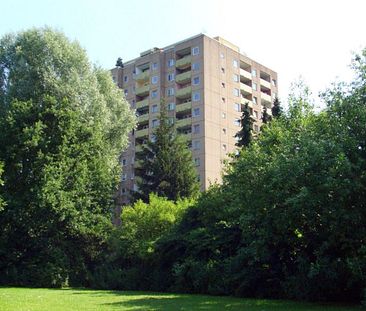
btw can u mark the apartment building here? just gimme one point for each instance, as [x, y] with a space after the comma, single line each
[204, 82]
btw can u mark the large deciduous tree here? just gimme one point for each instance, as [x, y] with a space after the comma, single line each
[166, 164]
[63, 124]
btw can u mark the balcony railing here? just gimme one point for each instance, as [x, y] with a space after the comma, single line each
[143, 90]
[183, 62]
[246, 101]
[183, 77]
[266, 84]
[184, 122]
[184, 92]
[143, 118]
[138, 148]
[265, 99]
[142, 75]
[184, 107]
[187, 136]
[142, 133]
[142, 103]
[246, 89]
[246, 74]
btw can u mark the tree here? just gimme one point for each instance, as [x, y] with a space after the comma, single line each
[166, 164]
[1, 184]
[276, 108]
[265, 116]
[63, 124]
[119, 62]
[245, 134]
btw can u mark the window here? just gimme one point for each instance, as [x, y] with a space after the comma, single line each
[224, 147]
[196, 66]
[170, 77]
[195, 50]
[256, 128]
[155, 123]
[196, 129]
[222, 70]
[170, 91]
[237, 107]
[254, 86]
[255, 100]
[197, 161]
[196, 96]
[237, 122]
[171, 121]
[171, 62]
[224, 131]
[123, 190]
[274, 82]
[132, 175]
[154, 79]
[256, 114]
[126, 92]
[196, 112]
[196, 145]
[223, 115]
[235, 63]
[124, 162]
[153, 138]
[125, 79]
[114, 79]
[154, 108]
[222, 84]
[124, 177]
[154, 94]
[236, 92]
[196, 81]
[154, 66]
[171, 106]
[236, 78]
[254, 72]
[223, 100]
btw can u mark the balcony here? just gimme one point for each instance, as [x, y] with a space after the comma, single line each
[184, 62]
[142, 133]
[184, 92]
[265, 84]
[245, 89]
[142, 103]
[266, 99]
[184, 77]
[245, 74]
[138, 148]
[184, 107]
[187, 136]
[143, 118]
[245, 101]
[143, 90]
[142, 75]
[184, 122]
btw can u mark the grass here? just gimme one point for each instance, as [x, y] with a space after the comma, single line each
[38, 299]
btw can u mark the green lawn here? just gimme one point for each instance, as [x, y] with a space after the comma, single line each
[25, 299]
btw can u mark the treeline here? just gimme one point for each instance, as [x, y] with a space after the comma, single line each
[288, 220]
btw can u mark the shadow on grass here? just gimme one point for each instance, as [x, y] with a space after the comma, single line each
[143, 301]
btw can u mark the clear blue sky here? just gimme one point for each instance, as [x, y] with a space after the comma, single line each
[312, 38]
